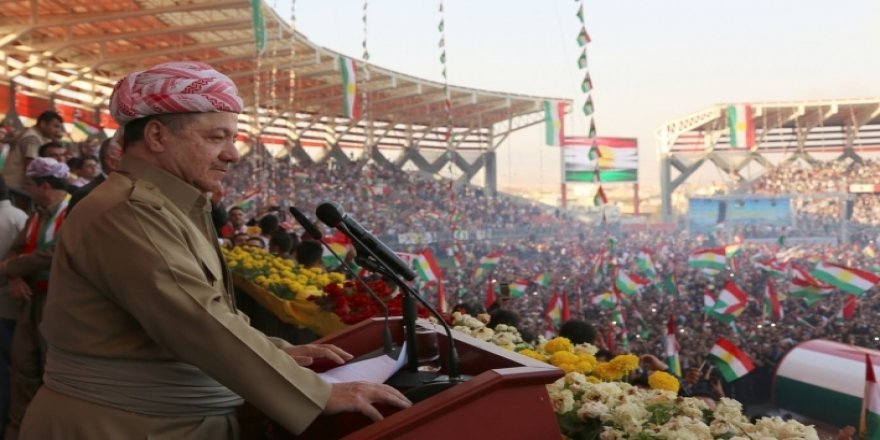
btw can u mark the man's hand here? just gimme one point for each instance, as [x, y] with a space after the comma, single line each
[305, 355]
[360, 397]
[18, 288]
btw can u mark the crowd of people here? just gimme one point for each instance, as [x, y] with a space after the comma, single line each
[154, 206]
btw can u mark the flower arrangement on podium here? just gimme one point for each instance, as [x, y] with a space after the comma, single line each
[283, 287]
[352, 302]
[594, 401]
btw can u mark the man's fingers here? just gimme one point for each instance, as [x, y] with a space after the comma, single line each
[367, 409]
[303, 361]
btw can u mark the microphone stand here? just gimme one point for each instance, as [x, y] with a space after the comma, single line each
[439, 383]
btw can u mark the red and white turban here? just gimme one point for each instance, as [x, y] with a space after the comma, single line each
[175, 87]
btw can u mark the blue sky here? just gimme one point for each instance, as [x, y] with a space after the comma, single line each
[651, 61]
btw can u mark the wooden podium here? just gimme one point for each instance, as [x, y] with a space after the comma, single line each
[506, 398]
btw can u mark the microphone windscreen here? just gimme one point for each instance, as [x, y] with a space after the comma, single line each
[329, 213]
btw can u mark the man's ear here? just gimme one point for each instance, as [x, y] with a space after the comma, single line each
[156, 136]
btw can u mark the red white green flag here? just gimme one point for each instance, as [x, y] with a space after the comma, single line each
[803, 285]
[847, 279]
[554, 310]
[351, 98]
[672, 359]
[554, 111]
[732, 362]
[646, 263]
[490, 292]
[848, 309]
[607, 300]
[869, 426]
[542, 279]
[487, 263]
[730, 303]
[629, 283]
[518, 288]
[772, 306]
[772, 267]
[247, 201]
[715, 259]
[742, 128]
[426, 266]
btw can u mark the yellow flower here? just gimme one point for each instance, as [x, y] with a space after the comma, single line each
[534, 354]
[558, 344]
[607, 371]
[563, 357]
[625, 362]
[661, 380]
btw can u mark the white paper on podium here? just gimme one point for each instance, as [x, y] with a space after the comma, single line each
[374, 370]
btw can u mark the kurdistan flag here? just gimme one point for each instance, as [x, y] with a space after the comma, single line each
[351, 98]
[730, 303]
[554, 310]
[426, 266]
[732, 362]
[487, 263]
[607, 300]
[803, 285]
[629, 283]
[542, 279]
[847, 279]
[869, 426]
[708, 259]
[772, 306]
[554, 111]
[672, 359]
[518, 288]
[646, 263]
[742, 128]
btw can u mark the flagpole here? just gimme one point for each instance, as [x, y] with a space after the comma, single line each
[563, 189]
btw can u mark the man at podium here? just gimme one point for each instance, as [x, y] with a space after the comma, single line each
[144, 337]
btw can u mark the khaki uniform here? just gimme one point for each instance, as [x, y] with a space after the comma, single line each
[138, 276]
[25, 147]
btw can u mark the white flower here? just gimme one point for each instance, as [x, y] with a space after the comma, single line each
[775, 427]
[612, 434]
[484, 333]
[630, 416]
[563, 401]
[586, 348]
[592, 410]
[692, 407]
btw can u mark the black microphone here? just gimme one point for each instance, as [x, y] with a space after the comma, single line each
[312, 230]
[332, 215]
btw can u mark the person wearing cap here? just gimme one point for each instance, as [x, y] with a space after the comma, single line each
[144, 337]
[27, 267]
[49, 127]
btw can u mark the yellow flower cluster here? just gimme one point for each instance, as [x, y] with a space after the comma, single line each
[625, 362]
[573, 363]
[558, 344]
[534, 355]
[281, 276]
[661, 380]
[607, 371]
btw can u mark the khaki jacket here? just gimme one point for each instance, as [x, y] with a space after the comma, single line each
[137, 275]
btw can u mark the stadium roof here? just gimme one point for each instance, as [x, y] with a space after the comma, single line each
[75, 50]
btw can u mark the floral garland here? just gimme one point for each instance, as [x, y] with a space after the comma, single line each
[281, 276]
[592, 402]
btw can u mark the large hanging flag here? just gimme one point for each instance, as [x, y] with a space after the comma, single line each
[803, 285]
[259, 25]
[742, 128]
[566, 312]
[646, 263]
[600, 199]
[730, 303]
[672, 359]
[732, 362]
[714, 259]
[426, 266]
[670, 285]
[847, 279]
[554, 112]
[869, 425]
[772, 306]
[518, 288]
[351, 98]
[607, 300]
[629, 283]
[487, 263]
[848, 309]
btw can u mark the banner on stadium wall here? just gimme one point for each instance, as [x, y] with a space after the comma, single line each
[416, 238]
[704, 214]
[864, 188]
[601, 159]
